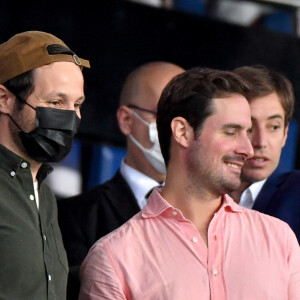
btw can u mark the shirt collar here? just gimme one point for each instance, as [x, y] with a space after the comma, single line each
[254, 190]
[158, 205]
[256, 187]
[139, 183]
[11, 163]
[229, 203]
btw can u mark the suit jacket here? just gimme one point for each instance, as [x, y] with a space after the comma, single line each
[280, 197]
[85, 218]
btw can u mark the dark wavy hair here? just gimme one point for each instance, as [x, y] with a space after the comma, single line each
[264, 81]
[189, 95]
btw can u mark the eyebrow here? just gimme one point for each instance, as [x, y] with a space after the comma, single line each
[232, 125]
[272, 117]
[65, 96]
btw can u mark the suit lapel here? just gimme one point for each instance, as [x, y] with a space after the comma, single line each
[122, 198]
[267, 192]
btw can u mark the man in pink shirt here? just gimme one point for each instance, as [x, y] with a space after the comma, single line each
[192, 241]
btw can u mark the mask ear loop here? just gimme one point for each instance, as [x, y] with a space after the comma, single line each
[140, 118]
[151, 126]
[30, 105]
[17, 125]
[22, 101]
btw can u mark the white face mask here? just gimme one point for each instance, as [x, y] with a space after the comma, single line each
[153, 154]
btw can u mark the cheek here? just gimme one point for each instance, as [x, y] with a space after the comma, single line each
[220, 147]
[214, 151]
[26, 119]
[276, 143]
[141, 133]
[78, 113]
[276, 151]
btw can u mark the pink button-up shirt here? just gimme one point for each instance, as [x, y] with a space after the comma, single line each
[158, 254]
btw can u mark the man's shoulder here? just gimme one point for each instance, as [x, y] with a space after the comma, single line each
[293, 175]
[131, 230]
[284, 177]
[264, 221]
[114, 190]
[286, 184]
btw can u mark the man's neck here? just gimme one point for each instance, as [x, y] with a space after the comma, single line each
[34, 170]
[197, 205]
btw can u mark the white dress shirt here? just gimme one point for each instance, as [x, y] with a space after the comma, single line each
[250, 194]
[139, 183]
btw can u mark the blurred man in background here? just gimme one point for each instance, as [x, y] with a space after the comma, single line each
[271, 100]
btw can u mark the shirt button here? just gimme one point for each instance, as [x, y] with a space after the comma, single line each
[194, 239]
[215, 272]
[12, 173]
[45, 238]
[31, 197]
[174, 213]
[24, 165]
[49, 277]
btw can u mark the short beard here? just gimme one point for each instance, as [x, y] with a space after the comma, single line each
[18, 117]
[217, 184]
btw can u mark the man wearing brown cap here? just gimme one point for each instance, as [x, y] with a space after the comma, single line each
[41, 91]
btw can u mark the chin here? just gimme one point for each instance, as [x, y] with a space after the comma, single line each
[255, 176]
[231, 186]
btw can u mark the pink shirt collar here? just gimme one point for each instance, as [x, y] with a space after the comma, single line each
[157, 205]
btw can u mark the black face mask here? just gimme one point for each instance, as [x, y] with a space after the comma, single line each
[52, 139]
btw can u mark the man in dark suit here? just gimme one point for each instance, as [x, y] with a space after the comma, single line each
[272, 104]
[85, 218]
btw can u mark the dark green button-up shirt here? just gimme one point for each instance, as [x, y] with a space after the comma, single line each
[33, 262]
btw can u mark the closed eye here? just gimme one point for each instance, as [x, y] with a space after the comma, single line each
[230, 132]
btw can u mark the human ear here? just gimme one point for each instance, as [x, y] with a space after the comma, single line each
[124, 116]
[182, 131]
[5, 100]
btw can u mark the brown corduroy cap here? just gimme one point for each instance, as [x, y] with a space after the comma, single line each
[28, 50]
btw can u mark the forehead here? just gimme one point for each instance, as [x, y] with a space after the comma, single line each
[267, 106]
[63, 72]
[63, 80]
[233, 109]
